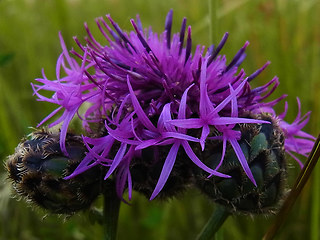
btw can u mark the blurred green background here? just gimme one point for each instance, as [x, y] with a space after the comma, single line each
[286, 32]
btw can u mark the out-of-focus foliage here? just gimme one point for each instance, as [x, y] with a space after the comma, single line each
[286, 32]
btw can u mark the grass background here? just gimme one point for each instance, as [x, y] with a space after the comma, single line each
[286, 32]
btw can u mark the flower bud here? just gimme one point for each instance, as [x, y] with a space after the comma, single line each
[263, 147]
[38, 167]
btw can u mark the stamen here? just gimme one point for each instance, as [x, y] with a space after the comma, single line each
[168, 25]
[238, 57]
[219, 47]
[182, 33]
[189, 45]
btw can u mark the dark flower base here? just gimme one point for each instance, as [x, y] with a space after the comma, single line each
[263, 146]
[146, 171]
[37, 169]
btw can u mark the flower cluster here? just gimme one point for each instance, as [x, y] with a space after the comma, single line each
[148, 90]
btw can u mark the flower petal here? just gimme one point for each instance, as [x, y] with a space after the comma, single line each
[166, 169]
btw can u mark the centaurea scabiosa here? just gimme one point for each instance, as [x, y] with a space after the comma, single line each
[153, 111]
[148, 91]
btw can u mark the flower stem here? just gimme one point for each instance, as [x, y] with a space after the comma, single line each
[111, 207]
[213, 21]
[215, 222]
[296, 190]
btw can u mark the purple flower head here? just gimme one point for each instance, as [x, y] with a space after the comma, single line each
[152, 90]
[296, 141]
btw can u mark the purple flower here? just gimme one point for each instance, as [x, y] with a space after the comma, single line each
[296, 141]
[70, 92]
[150, 90]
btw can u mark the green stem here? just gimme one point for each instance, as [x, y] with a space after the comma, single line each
[215, 222]
[296, 190]
[111, 207]
[314, 226]
[213, 20]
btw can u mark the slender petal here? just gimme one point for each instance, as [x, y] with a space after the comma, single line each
[167, 167]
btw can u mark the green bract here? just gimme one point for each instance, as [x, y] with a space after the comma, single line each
[263, 147]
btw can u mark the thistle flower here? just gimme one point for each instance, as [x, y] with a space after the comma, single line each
[151, 91]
